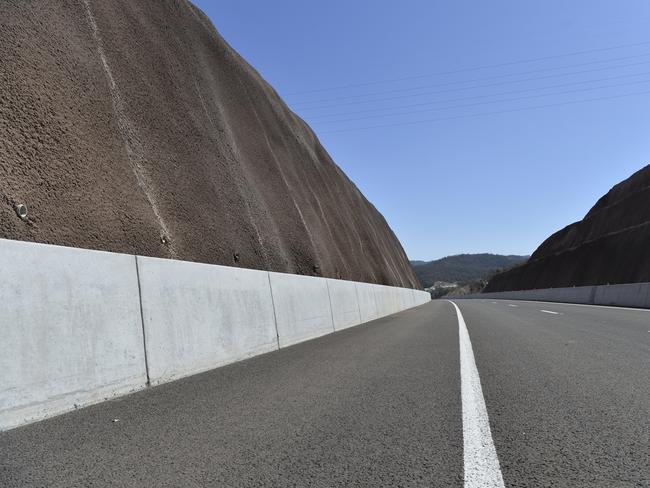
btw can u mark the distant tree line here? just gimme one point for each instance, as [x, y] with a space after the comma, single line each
[464, 268]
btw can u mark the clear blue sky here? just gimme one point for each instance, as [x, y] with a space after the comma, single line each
[474, 182]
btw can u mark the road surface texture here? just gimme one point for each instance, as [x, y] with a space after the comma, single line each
[565, 402]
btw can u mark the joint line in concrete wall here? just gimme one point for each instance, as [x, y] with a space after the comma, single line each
[329, 296]
[144, 333]
[275, 316]
[356, 291]
[592, 295]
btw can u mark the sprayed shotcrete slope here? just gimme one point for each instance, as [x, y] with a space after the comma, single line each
[132, 126]
[611, 245]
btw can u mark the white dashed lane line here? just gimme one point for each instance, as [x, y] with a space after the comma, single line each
[550, 311]
[642, 310]
[511, 305]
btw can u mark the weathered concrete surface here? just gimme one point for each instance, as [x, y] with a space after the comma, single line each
[78, 326]
[70, 329]
[200, 316]
[302, 307]
[420, 297]
[635, 295]
[132, 126]
[578, 294]
[630, 295]
[345, 304]
[367, 302]
[385, 302]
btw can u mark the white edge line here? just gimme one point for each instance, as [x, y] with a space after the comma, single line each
[480, 461]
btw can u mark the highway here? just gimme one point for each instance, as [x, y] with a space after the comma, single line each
[500, 393]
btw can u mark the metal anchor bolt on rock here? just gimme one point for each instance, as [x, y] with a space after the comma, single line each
[21, 210]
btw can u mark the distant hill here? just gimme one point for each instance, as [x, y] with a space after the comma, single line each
[463, 268]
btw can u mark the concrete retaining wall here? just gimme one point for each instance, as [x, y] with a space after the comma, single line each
[636, 295]
[385, 300]
[419, 297]
[344, 303]
[70, 329]
[630, 295]
[367, 302]
[80, 326]
[198, 317]
[302, 307]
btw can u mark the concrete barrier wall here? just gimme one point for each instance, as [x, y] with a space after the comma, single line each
[629, 295]
[344, 303]
[302, 307]
[367, 302]
[198, 317]
[80, 326]
[386, 300]
[70, 330]
[420, 297]
[635, 295]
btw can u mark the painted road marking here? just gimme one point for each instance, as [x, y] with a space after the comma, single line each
[646, 310]
[481, 464]
[511, 305]
[549, 311]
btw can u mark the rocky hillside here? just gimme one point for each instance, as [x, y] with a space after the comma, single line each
[132, 126]
[610, 245]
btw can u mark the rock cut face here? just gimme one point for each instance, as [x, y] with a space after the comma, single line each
[132, 126]
[610, 245]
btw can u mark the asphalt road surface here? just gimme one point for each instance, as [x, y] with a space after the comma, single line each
[514, 394]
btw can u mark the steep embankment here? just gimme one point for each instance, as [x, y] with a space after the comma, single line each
[132, 126]
[610, 245]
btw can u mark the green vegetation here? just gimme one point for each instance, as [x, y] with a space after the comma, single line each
[464, 268]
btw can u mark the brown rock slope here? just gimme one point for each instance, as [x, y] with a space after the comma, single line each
[132, 126]
[610, 245]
